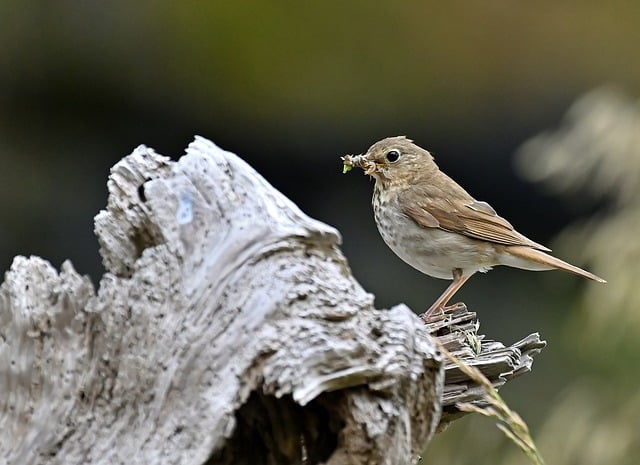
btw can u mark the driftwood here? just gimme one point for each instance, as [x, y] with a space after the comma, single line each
[227, 329]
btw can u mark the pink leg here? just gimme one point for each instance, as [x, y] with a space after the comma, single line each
[439, 306]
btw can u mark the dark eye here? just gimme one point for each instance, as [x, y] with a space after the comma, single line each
[392, 156]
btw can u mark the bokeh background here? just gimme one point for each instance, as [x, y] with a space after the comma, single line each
[531, 106]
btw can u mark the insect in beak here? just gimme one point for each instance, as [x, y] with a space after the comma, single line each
[349, 161]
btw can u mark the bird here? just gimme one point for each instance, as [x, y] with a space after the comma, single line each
[437, 227]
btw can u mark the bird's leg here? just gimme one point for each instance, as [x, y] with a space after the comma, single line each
[439, 306]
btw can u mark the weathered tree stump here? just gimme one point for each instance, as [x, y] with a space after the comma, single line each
[227, 329]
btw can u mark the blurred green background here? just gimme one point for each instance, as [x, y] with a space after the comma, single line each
[291, 86]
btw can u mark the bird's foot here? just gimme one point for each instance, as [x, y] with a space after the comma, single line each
[438, 312]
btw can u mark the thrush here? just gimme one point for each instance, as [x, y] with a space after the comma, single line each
[435, 226]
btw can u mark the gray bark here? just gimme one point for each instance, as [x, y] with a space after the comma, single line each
[226, 329]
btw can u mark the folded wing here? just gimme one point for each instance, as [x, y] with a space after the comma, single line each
[468, 217]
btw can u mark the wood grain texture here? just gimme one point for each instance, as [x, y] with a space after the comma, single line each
[227, 328]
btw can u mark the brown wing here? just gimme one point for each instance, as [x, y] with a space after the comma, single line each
[468, 217]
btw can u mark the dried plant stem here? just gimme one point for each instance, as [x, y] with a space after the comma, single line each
[509, 422]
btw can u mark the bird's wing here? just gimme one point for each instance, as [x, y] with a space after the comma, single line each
[468, 217]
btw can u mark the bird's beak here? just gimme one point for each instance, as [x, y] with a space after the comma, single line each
[370, 167]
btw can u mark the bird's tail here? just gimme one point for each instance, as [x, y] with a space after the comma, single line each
[531, 259]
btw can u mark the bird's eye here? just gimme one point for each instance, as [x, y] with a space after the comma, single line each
[393, 156]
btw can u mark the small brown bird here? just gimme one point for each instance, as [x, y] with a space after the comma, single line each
[435, 226]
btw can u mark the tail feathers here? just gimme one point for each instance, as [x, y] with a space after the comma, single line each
[531, 259]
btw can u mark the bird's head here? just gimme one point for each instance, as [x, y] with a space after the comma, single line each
[392, 159]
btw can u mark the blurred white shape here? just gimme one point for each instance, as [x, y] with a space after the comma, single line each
[595, 150]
